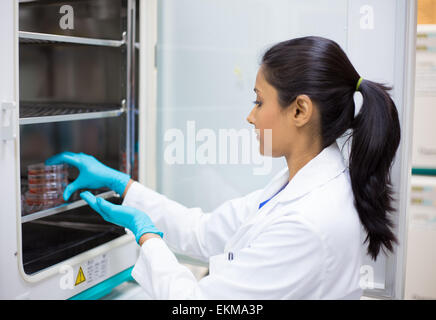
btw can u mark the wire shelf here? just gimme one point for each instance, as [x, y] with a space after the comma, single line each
[43, 38]
[62, 208]
[39, 112]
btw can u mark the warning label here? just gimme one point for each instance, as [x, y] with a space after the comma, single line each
[97, 268]
[80, 277]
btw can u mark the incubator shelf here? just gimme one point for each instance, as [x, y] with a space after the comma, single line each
[38, 112]
[62, 208]
[42, 38]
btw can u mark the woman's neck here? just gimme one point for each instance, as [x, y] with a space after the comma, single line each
[300, 157]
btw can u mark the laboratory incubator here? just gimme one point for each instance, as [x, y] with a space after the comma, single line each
[76, 76]
[110, 77]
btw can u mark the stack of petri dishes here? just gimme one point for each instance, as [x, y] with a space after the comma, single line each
[46, 186]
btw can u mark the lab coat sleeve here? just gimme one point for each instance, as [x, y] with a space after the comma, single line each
[286, 261]
[190, 231]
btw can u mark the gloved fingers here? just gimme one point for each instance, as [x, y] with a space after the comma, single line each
[92, 201]
[111, 212]
[106, 206]
[72, 187]
[64, 157]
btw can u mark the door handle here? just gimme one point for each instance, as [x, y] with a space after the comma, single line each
[7, 131]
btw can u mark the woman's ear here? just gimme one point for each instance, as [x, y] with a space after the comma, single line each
[302, 111]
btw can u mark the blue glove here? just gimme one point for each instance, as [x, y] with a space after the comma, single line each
[93, 174]
[133, 219]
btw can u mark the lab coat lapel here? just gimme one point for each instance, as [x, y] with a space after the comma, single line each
[327, 165]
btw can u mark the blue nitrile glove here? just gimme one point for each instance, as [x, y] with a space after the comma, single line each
[133, 219]
[93, 174]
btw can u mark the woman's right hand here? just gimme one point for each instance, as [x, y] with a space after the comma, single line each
[93, 174]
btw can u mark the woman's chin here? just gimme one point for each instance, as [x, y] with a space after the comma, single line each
[266, 152]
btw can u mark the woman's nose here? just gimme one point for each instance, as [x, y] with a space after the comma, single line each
[250, 117]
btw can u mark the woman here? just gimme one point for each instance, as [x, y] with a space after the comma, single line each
[300, 236]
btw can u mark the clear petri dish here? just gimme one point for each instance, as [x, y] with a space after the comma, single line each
[43, 199]
[41, 168]
[47, 177]
[47, 187]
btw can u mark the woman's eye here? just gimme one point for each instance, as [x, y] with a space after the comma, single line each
[257, 102]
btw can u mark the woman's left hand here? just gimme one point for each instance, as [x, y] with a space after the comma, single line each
[133, 219]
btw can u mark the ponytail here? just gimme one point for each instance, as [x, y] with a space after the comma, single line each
[376, 136]
[319, 68]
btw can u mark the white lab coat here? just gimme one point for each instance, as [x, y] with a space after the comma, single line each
[305, 243]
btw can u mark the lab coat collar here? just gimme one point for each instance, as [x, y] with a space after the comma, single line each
[327, 165]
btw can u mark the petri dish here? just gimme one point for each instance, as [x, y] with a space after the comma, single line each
[45, 187]
[46, 199]
[41, 168]
[48, 177]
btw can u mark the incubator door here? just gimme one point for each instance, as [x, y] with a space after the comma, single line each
[208, 54]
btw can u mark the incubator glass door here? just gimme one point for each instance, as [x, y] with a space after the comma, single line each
[208, 54]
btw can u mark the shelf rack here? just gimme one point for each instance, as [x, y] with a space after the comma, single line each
[44, 112]
[40, 112]
[41, 38]
[62, 208]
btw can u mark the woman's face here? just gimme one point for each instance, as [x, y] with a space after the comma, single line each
[272, 122]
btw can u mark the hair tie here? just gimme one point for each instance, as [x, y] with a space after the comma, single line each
[358, 83]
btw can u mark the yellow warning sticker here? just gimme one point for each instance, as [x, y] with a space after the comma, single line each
[80, 277]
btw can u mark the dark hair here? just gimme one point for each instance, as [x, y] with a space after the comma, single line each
[320, 69]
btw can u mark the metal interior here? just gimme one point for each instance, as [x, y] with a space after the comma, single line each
[51, 240]
[103, 19]
[71, 73]
[75, 95]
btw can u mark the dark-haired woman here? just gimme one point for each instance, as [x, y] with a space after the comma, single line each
[300, 236]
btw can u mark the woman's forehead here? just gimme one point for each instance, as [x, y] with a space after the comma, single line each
[260, 82]
[262, 86]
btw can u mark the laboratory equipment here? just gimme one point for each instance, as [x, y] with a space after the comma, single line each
[72, 69]
[420, 278]
[424, 144]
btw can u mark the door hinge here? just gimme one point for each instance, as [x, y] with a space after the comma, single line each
[7, 130]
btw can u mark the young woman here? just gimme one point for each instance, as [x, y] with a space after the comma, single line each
[300, 236]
